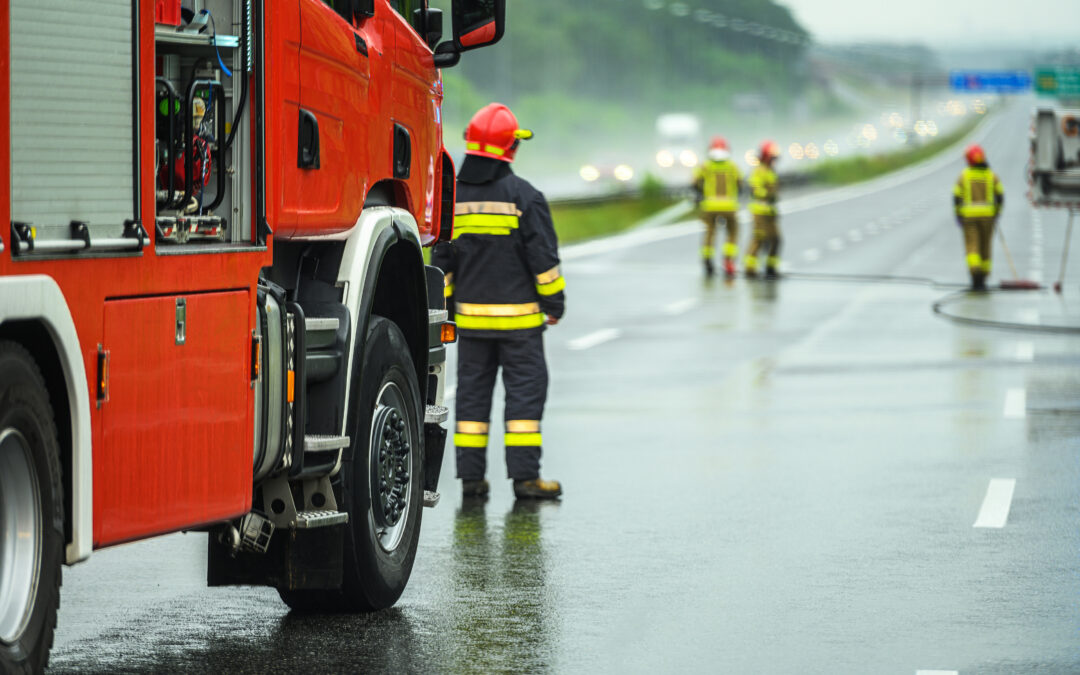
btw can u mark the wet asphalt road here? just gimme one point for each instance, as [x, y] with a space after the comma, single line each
[760, 478]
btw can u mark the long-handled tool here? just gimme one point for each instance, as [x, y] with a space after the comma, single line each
[1016, 283]
[1065, 253]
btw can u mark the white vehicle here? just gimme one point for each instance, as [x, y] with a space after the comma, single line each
[679, 140]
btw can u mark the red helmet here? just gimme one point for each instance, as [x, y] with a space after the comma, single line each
[769, 151]
[718, 143]
[493, 132]
[975, 155]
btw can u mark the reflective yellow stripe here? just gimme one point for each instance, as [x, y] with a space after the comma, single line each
[472, 146]
[474, 309]
[762, 209]
[974, 260]
[549, 276]
[718, 205]
[730, 250]
[493, 150]
[552, 288]
[448, 290]
[492, 231]
[468, 427]
[516, 440]
[707, 252]
[470, 440]
[987, 266]
[751, 262]
[772, 261]
[523, 426]
[466, 322]
[486, 220]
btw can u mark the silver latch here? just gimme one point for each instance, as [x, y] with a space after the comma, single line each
[181, 320]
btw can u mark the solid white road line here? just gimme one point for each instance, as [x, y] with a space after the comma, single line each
[593, 339]
[836, 244]
[1015, 404]
[937, 672]
[995, 506]
[1025, 351]
[811, 254]
[682, 306]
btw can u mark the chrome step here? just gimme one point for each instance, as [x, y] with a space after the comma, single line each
[431, 498]
[437, 315]
[319, 443]
[321, 323]
[436, 414]
[307, 520]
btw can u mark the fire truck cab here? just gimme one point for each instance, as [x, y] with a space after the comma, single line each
[214, 310]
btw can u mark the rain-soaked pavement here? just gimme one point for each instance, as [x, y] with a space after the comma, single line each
[760, 478]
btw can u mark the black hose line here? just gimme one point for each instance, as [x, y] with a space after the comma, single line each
[940, 306]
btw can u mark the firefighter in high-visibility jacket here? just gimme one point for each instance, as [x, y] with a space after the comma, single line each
[764, 188]
[716, 183]
[978, 197]
[503, 280]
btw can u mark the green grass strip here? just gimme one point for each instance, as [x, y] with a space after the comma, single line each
[578, 222]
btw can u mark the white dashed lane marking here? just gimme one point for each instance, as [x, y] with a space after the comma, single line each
[1015, 404]
[1025, 351]
[836, 244]
[996, 503]
[937, 672]
[681, 306]
[593, 339]
[811, 254]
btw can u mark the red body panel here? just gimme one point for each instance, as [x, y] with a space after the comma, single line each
[166, 455]
[176, 448]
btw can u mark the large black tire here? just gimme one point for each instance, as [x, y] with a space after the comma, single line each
[29, 457]
[377, 568]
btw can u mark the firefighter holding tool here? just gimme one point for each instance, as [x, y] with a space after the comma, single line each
[978, 197]
[503, 279]
[764, 188]
[716, 183]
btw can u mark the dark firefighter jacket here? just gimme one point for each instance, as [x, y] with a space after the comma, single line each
[502, 265]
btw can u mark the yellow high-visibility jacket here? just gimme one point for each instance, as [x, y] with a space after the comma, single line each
[764, 187]
[978, 193]
[719, 185]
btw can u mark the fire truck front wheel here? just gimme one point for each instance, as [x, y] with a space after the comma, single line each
[381, 480]
[31, 514]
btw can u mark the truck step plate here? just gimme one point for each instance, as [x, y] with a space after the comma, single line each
[436, 414]
[306, 520]
[431, 498]
[317, 323]
[317, 443]
[437, 315]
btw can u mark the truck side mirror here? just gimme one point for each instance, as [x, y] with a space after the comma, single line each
[477, 23]
[431, 20]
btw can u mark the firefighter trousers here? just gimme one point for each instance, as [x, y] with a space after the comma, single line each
[766, 239]
[525, 379]
[978, 238]
[713, 220]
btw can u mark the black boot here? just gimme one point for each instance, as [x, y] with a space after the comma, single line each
[710, 269]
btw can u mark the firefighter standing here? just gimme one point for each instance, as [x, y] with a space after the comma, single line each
[764, 188]
[503, 278]
[717, 183]
[978, 197]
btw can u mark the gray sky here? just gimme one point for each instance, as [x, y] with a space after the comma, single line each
[943, 23]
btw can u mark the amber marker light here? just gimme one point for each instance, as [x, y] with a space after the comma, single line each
[448, 332]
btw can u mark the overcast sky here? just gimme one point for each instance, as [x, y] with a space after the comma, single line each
[943, 23]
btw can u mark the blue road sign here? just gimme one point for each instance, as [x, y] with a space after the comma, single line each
[990, 81]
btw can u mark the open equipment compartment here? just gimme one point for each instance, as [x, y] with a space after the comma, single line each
[202, 113]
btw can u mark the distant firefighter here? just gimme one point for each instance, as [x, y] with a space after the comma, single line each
[717, 183]
[504, 282]
[978, 197]
[764, 188]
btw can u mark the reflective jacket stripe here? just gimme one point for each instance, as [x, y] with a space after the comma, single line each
[471, 440]
[466, 322]
[763, 187]
[551, 288]
[476, 309]
[518, 440]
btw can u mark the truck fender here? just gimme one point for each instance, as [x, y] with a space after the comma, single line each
[377, 229]
[37, 297]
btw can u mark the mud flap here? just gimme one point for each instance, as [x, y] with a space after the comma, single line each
[296, 559]
[434, 446]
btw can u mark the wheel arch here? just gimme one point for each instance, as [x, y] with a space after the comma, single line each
[34, 313]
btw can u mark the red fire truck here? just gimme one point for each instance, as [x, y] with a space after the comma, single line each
[214, 310]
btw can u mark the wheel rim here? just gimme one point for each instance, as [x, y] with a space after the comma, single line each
[391, 466]
[20, 534]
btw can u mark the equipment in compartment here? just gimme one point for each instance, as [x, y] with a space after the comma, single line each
[198, 111]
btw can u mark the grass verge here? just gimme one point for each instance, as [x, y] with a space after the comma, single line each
[578, 222]
[865, 167]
